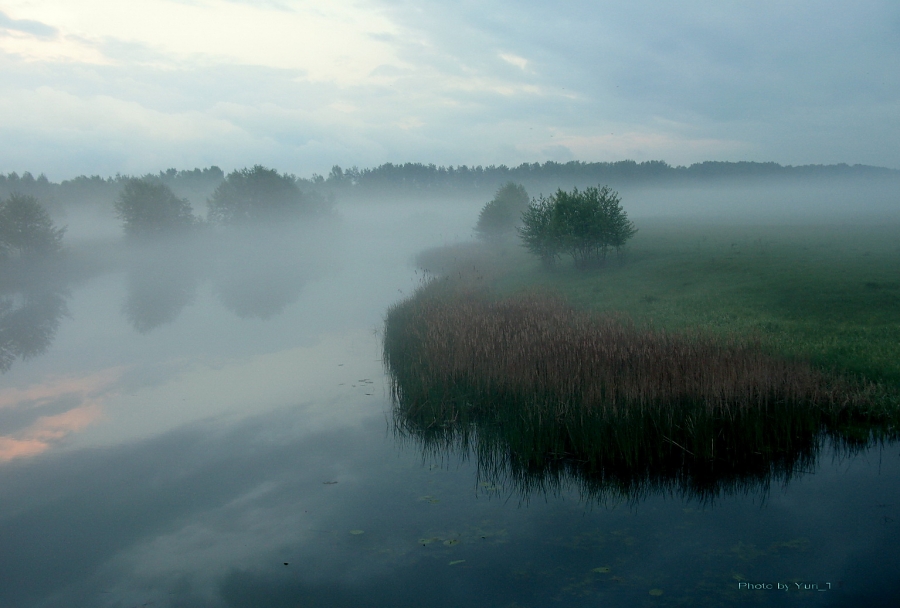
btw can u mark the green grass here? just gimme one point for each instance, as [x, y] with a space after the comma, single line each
[826, 294]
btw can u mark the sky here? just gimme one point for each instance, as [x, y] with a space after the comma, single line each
[105, 87]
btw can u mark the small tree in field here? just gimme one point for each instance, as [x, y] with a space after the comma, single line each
[499, 217]
[539, 231]
[151, 209]
[26, 230]
[584, 224]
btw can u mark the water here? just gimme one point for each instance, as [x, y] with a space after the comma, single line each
[219, 434]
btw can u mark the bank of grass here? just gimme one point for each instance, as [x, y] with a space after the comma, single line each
[709, 359]
[829, 295]
[553, 392]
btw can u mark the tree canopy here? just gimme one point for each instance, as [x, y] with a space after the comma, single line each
[585, 224]
[255, 194]
[152, 209]
[26, 230]
[502, 214]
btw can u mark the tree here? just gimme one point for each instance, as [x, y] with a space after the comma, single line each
[257, 194]
[26, 230]
[539, 232]
[500, 216]
[151, 209]
[584, 224]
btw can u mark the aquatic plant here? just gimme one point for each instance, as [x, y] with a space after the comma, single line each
[536, 386]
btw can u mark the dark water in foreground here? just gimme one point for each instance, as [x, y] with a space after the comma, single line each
[209, 448]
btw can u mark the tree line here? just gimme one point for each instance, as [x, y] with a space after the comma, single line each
[414, 178]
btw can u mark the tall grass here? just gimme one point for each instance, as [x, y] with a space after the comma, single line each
[543, 392]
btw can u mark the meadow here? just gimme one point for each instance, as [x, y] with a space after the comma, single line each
[827, 294]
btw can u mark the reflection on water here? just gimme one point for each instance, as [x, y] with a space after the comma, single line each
[159, 287]
[30, 314]
[255, 273]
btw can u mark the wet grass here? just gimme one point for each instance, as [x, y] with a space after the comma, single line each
[829, 295]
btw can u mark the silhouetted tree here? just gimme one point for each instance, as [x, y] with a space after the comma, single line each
[503, 213]
[26, 230]
[257, 194]
[152, 209]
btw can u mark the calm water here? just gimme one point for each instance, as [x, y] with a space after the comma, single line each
[213, 428]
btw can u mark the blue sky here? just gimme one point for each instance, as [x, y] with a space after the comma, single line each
[97, 86]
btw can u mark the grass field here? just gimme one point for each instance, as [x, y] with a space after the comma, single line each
[826, 294]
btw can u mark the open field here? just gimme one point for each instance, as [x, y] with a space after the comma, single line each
[826, 294]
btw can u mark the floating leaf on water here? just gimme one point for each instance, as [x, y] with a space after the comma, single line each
[457, 561]
[356, 532]
[602, 570]
[451, 542]
[656, 592]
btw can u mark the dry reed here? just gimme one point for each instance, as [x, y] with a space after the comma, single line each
[545, 387]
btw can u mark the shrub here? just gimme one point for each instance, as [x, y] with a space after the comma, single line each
[583, 224]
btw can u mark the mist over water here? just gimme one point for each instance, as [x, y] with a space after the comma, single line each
[206, 421]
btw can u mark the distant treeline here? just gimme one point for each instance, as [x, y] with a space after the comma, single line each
[195, 185]
[410, 178]
[421, 177]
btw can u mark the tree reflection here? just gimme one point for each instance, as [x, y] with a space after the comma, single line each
[157, 294]
[29, 319]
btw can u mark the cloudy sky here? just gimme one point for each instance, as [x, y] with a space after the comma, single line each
[105, 86]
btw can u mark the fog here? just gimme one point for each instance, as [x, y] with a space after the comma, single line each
[205, 419]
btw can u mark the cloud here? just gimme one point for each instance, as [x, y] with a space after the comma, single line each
[27, 26]
[151, 84]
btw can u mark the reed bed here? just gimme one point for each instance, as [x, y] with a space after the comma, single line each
[545, 392]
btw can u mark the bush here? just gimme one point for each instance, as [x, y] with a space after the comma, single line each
[26, 230]
[255, 194]
[149, 209]
[584, 224]
[500, 217]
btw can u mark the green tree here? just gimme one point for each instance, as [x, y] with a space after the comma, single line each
[26, 230]
[257, 194]
[151, 209]
[584, 224]
[502, 214]
[539, 231]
